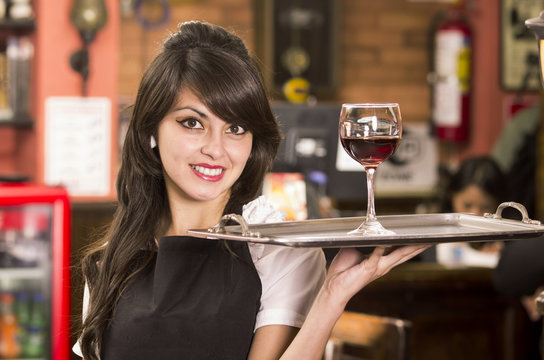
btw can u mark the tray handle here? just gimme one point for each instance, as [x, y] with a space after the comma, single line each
[220, 227]
[525, 216]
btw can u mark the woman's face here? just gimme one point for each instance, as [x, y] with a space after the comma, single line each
[202, 155]
[473, 200]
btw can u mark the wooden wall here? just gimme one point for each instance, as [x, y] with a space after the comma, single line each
[384, 49]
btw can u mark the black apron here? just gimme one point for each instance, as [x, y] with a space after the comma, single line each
[195, 301]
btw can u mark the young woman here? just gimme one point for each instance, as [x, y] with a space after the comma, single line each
[477, 187]
[199, 143]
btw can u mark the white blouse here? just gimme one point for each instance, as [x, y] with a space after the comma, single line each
[290, 277]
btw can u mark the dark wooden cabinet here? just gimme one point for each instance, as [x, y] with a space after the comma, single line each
[455, 313]
[17, 141]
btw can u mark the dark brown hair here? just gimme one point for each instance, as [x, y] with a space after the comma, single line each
[482, 172]
[214, 64]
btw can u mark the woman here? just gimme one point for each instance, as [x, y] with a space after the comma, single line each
[477, 187]
[199, 143]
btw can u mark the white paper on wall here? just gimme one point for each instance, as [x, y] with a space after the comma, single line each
[78, 144]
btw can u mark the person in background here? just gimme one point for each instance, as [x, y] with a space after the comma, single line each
[477, 187]
[520, 270]
[200, 140]
[515, 152]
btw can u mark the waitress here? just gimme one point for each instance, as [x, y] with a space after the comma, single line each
[200, 141]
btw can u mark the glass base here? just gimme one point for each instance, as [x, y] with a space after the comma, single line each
[371, 228]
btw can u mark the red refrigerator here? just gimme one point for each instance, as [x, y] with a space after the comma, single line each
[35, 228]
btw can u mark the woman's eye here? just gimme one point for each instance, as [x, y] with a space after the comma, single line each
[191, 123]
[236, 129]
[468, 205]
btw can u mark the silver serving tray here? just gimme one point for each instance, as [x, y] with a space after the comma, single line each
[408, 229]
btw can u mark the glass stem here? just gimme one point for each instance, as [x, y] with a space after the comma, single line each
[370, 211]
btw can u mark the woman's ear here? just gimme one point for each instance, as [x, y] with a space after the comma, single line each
[153, 142]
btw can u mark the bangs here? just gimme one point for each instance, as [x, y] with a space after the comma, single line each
[234, 94]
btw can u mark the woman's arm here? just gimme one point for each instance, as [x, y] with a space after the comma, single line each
[349, 272]
[270, 341]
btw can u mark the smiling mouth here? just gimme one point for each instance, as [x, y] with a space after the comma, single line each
[207, 171]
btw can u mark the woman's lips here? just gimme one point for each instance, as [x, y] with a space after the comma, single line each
[208, 172]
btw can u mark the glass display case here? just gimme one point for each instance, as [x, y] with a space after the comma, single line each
[34, 272]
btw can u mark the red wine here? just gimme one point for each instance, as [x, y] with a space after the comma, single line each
[370, 150]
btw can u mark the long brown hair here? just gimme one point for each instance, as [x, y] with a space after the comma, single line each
[216, 65]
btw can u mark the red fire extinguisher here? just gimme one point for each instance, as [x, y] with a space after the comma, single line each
[451, 91]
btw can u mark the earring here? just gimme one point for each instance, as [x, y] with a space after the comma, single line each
[152, 142]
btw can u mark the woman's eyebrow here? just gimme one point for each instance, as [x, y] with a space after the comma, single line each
[200, 113]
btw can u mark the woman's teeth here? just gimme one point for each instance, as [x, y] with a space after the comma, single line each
[208, 171]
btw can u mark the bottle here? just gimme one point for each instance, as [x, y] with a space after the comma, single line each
[29, 248]
[10, 346]
[35, 343]
[3, 8]
[20, 9]
[10, 229]
[22, 312]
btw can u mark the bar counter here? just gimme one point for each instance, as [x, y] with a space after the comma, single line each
[455, 313]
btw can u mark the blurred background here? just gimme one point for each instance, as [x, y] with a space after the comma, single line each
[466, 76]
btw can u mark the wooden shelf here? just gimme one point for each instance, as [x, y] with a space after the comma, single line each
[18, 122]
[18, 25]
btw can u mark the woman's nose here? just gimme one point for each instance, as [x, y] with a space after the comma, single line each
[213, 145]
[477, 210]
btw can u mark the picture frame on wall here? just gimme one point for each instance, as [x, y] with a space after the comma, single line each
[298, 39]
[519, 51]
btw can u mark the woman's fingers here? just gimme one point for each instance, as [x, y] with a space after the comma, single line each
[372, 264]
[351, 270]
[376, 261]
[399, 256]
[345, 259]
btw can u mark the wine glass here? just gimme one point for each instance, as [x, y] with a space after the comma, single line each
[370, 133]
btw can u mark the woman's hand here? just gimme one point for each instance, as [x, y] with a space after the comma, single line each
[529, 303]
[351, 270]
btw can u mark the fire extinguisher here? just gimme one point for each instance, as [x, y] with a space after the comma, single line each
[451, 90]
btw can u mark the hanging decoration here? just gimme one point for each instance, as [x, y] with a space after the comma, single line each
[152, 14]
[87, 16]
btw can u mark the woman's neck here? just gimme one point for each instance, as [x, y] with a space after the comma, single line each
[190, 214]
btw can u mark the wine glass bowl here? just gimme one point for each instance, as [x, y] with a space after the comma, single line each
[370, 133]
